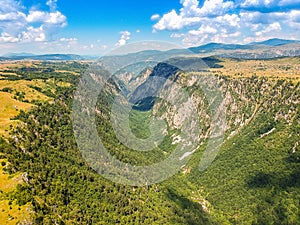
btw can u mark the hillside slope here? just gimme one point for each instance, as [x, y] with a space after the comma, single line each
[254, 178]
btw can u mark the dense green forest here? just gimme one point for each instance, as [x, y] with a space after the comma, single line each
[255, 178]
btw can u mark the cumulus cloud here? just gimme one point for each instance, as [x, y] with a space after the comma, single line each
[30, 34]
[257, 19]
[232, 21]
[173, 21]
[269, 4]
[207, 19]
[204, 29]
[125, 36]
[191, 14]
[5, 37]
[18, 25]
[257, 3]
[33, 34]
[294, 16]
[210, 8]
[270, 28]
[54, 18]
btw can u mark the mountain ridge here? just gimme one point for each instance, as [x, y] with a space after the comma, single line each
[271, 48]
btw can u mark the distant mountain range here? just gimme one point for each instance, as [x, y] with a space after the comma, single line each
[276, 42]
[272, 48]
[256, 50]
[21, 54]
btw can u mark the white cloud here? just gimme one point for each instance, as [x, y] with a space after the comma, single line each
[192, 40]
[176, 35]
[212, 7]
[9, 6]
[266, 3]
[190, 14]
[262, 26]
[252, 3]
[169, 21]
[223, 37]
[269, 3]
[270, 28]
[218, 29]
[229, 20]
[33, 34]
[52, 4]
[155, 17]
[294, 16]
[67, 39]
[5, 37]
[289, 2]
[54, 18]
[232, 21]
[204, 29]
[125, 36]
[28, 35]
[273, 27]
[36, 16]
[173, 21]
[11, 16]
[215, 7]
[16, 25]
[257, 20]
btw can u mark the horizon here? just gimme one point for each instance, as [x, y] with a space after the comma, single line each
[95, 28]
[11, 54]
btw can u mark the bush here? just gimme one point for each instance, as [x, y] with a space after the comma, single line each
[7, 89]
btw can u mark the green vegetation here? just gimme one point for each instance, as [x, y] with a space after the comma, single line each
[255, 178]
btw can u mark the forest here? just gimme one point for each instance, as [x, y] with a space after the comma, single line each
[255, 178]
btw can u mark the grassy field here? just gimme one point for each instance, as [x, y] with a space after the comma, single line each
[19, 91]
[8, 182]
[10, 212]
[11, 90]
[8, 109]
[281, 68]
[11, 104]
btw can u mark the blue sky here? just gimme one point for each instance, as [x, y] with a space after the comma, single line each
[96, 27]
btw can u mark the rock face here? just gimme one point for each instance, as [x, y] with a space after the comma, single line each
[240, 99]
[144, 95]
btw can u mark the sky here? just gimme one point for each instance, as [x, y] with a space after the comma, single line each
[95, 27]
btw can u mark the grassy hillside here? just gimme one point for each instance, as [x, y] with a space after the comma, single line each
[20, 92]
[253, 180]
[281, 68]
